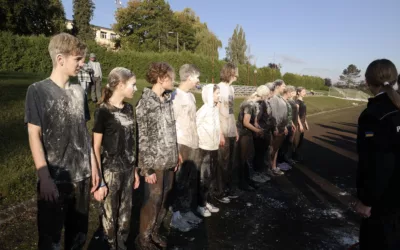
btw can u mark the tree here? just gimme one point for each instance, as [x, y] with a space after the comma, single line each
[33, 17]
[83, 14]
[274, 66]
[350, 75]
[328, 82]
[236, 50]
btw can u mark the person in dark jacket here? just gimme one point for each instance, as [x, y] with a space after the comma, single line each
[378, 172]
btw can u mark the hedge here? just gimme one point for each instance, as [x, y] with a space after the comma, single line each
[29, 54]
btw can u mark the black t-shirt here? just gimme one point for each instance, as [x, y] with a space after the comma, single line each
[295, 111]
[302, 109]
[247, 107]
[60, 113]
[118, 127]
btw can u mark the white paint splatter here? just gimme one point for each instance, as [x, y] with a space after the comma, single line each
[123, 119]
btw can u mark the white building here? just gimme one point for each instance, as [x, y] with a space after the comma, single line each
[104, 36]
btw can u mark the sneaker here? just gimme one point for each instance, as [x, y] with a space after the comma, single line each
[284, 166]
[277, 172]
[212, 208]
[225, 200]
[179, 223]
[260, 178]
[192, 218]
[203, 211]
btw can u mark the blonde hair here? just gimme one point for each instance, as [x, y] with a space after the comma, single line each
[188, 70]
[65, 44]
[262, 91]
[289, 89]
[117, 75]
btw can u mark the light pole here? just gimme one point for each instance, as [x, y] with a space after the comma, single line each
[177, 40]
[255, 77]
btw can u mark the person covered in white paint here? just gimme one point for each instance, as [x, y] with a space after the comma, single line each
[97, 76]
[185, 186]
[114, 139]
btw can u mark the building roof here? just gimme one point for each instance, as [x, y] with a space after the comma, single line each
[95, 26]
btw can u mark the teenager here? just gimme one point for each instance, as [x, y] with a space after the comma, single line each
[61, 148]
[208, 128]
[247, 126]
[226, 171]
[185, 185]
[378, 172]
[158, 152]
[114, 140]
[280, 114]
[303, 125]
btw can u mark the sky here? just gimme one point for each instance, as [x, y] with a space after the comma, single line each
[310, 37]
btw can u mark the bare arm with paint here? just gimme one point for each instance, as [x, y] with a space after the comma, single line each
[247, 124]
[101, 192]
[48, 190]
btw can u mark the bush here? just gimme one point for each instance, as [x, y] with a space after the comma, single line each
[29, 54]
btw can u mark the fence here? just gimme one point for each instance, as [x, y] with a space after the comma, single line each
[348, 94]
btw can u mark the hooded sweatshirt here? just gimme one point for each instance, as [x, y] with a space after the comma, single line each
[158, 148]
[207, 120]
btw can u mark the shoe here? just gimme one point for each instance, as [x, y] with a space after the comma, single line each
[142, 244]
[179, 223]
[260, 178]
[284, 166]
[203, 211]
[234, 194]
[192, 218]
[212, 208]
[225, 200]
[277, 172]
[159, 240]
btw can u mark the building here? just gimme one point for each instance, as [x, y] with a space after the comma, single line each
[104, 36]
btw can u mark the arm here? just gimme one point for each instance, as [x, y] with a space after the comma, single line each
[247, 124]
[48, 190]
[101, 73]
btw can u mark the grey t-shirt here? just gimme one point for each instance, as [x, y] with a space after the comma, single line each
[61, 115]
[279, 112]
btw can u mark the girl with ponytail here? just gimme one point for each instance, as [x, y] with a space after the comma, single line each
[114, 143]
[378, 172]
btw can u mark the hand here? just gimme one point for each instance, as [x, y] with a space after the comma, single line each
[137, 181]
[151, 179]
[180, 161]
[260, 132]
[294, 129]
[237, 136]
[101, 193]
[307, 128]
[222, 141]
[362, 209]
[301, 128]
[286, 131]
[48, 190]
[95, 178]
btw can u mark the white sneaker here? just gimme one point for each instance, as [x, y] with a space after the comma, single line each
[192, 218]
[179, 223]
[225, 200]
[203, 211]
[212, 208]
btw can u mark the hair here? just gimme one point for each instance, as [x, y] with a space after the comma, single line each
[271, 86]
[299, 89]
[289, 89]
[188, 70]
[278, 82]
[379, 73]
[262, 91]
[228, 71]
[65, 44]
[215, 87]
[159, 70]
[117, 75]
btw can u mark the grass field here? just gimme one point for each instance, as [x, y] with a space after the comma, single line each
[17, 175]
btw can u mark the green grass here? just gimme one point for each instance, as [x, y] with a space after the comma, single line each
[17, 174]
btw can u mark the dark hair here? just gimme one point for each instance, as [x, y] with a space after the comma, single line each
[379, 73]
[278, 82]
[228, 71]
[158, 70]
[117, 75]
[215, 87]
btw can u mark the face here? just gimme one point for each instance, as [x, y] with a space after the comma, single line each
[303, 93]
[216, 95]
[129, 88]
[281, 88]
[93, 59]
[168, 82]
[194, 80]
[292, 94]
[71, 64]
[236, 76]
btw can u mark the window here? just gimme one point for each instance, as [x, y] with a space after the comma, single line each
[113, 36]
[103, 35]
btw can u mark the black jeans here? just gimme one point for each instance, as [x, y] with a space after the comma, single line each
[185, 186]
[70, 211]
[380, 232]
[286, 150]
[206, 174]
[226, 178]
[262, 152]
[245, 156]
[155, 202]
